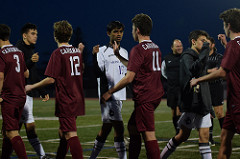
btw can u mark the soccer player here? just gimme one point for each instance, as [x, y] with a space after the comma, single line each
[195, 102]
[13, 71]
[111, 71]
[144, 71]
[230, 69]
[65, 70]
[215, 86]
[27, 45]
[170, 71]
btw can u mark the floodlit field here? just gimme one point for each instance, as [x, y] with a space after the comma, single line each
[89, 125]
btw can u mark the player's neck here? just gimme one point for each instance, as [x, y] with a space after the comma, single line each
[143, 38]
[63, 44]
[234, 35]
[2, 43]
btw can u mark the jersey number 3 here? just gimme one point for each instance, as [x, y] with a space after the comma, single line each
[17, 68]
[75, 64]
[155, 62]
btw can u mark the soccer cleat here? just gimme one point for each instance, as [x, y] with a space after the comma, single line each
[212, 143]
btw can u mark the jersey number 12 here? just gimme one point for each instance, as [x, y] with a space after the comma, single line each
[75, 64]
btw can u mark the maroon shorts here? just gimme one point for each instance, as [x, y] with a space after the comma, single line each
[232, 120]
[67, 124]
[11, 114]
[143, 116]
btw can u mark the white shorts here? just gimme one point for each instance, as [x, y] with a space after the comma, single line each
[111, 111]
[27, 114]
[193, 120]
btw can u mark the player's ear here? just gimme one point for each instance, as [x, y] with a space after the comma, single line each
[24, 35]
[108, 33]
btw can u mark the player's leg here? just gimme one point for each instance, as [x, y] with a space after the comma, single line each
[175, 117]
[186, 123]
[145, 125]
[6, 146]
[220, 114]
[226, 144]
[117, 122]
[135, 142]
[119, 139]
[28, 120]
[203, 123]
[212, 116]
[104, 132]
[63, 146]
[69, 130]
[100, 139]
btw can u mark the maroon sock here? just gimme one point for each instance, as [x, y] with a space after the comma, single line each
[75, 148]
[134, 146]
[152, 149]
[6, 148]
[62, 149]
[19, 147]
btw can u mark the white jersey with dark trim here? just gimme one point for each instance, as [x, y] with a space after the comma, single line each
[114, 69]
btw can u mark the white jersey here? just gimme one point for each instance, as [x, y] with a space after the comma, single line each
[114, 69]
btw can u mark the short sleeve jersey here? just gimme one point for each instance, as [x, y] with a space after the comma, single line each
[65, 66]
[145, 61]
[13, 66]
[114, 69]
[231, 63]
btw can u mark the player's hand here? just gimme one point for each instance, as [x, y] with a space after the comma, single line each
[116, 48]
[223, 40]
[28, 88]
[193, 82]
[1, 100]
[95, 49]
[35, 57]
[105, 97]
[46, 98]
[81, 47]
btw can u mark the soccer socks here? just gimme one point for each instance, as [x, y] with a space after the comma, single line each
[6, 148]
[75, 148]
[19, 147]
[62, 148]
[152, 149]
[134, 146]
[175, 123]
[37, 146]
[205, 150]
[221, 122]
[98, 145]
[169, 148]
[120, 147]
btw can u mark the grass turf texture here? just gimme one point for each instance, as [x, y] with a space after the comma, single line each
[90, 124]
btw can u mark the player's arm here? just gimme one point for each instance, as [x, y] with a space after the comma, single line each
[1, 84]
[121, 84]
[117, 54]
[220, 73]
[42, 83]
[26, 74]
[163, 69]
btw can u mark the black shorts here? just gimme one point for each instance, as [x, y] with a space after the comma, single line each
[173, 99]
[216, 90]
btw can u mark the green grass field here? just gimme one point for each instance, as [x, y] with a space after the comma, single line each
[89, 125]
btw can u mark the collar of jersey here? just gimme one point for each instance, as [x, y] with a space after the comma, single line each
[6, 46]
[66, 46]
[146, 41]
[236, 37]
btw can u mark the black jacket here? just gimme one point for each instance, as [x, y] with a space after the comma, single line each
[34, 76]
[193, 65]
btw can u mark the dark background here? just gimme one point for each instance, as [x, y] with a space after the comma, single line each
[171, 19]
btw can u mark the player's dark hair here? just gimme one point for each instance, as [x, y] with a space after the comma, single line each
[144, 23]
[114, 25]
[196, 34]
[174, 41]
[5, 32]
[213, 42]
[232, 16]
[27, 27]
[62, 31]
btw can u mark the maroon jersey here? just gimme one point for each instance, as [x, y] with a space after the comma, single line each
[65, 66]
[231, 63]
[13, 66]
[145, 61]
